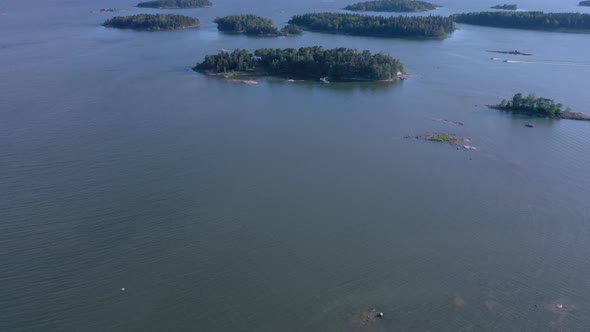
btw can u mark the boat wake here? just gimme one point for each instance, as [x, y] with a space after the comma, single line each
[546, 62]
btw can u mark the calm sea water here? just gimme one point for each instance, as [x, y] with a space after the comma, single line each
[286, 207]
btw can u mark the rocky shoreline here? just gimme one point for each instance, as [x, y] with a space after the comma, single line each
[262, 73]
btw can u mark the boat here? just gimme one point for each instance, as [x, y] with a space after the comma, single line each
[324, 80]
[530, 125]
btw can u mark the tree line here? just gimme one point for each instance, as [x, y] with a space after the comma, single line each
[527, 20]
[392, 6]
[175, 4]
[152, 22]
[365, 25]
[337, 64]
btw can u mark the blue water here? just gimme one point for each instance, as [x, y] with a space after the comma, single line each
[286, 207]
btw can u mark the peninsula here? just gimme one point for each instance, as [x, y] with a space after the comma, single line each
[392, 6]
[149, 22]
[291, 30]
[538, 106]
[377, 26]
[584, 3]
[338, 64]
[575, 22]
[505, 7]
[175, 4]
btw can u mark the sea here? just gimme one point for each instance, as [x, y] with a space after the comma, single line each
[139, 195]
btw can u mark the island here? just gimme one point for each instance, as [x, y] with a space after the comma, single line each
[338, 64]
[447, 138]
[538, 106]
[111, 10]
[175, 4]
[392, 6]
[377, 26]
[584, 3]
[247, 24]
[149, 22]
[575, 22]
[505, 7]
[515, 52]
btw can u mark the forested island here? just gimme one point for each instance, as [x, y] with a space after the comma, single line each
[538, 106]
[175, 4]
[505, 7]
[339, 64]
[391, 6]
[584, 3]
[378, 26]
[247, 24]
[528, 20]
[149, 22]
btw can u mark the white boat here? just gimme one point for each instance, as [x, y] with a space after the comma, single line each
[324, 80]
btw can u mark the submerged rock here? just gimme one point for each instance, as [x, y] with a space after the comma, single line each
[363, 320]
[459, 123]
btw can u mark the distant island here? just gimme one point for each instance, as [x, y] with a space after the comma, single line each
[111, 10]
[515, 52]
[378, 26]
[149, 22]
[528, 20]
[505, 7]
[254, 26]
[538, 106]
[391, 6]
[175, 4]
[584, 3]
[339, 64]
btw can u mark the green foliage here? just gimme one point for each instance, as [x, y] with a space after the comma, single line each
[364, 25]
[392, 6]
[443, 138]
[337, 64]
[238, 60]
[505, 7]
[247, 24]
[527, 20]
[584, 3]
[175, 4]
[532, 104]
[152, 22]
[291, 29]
